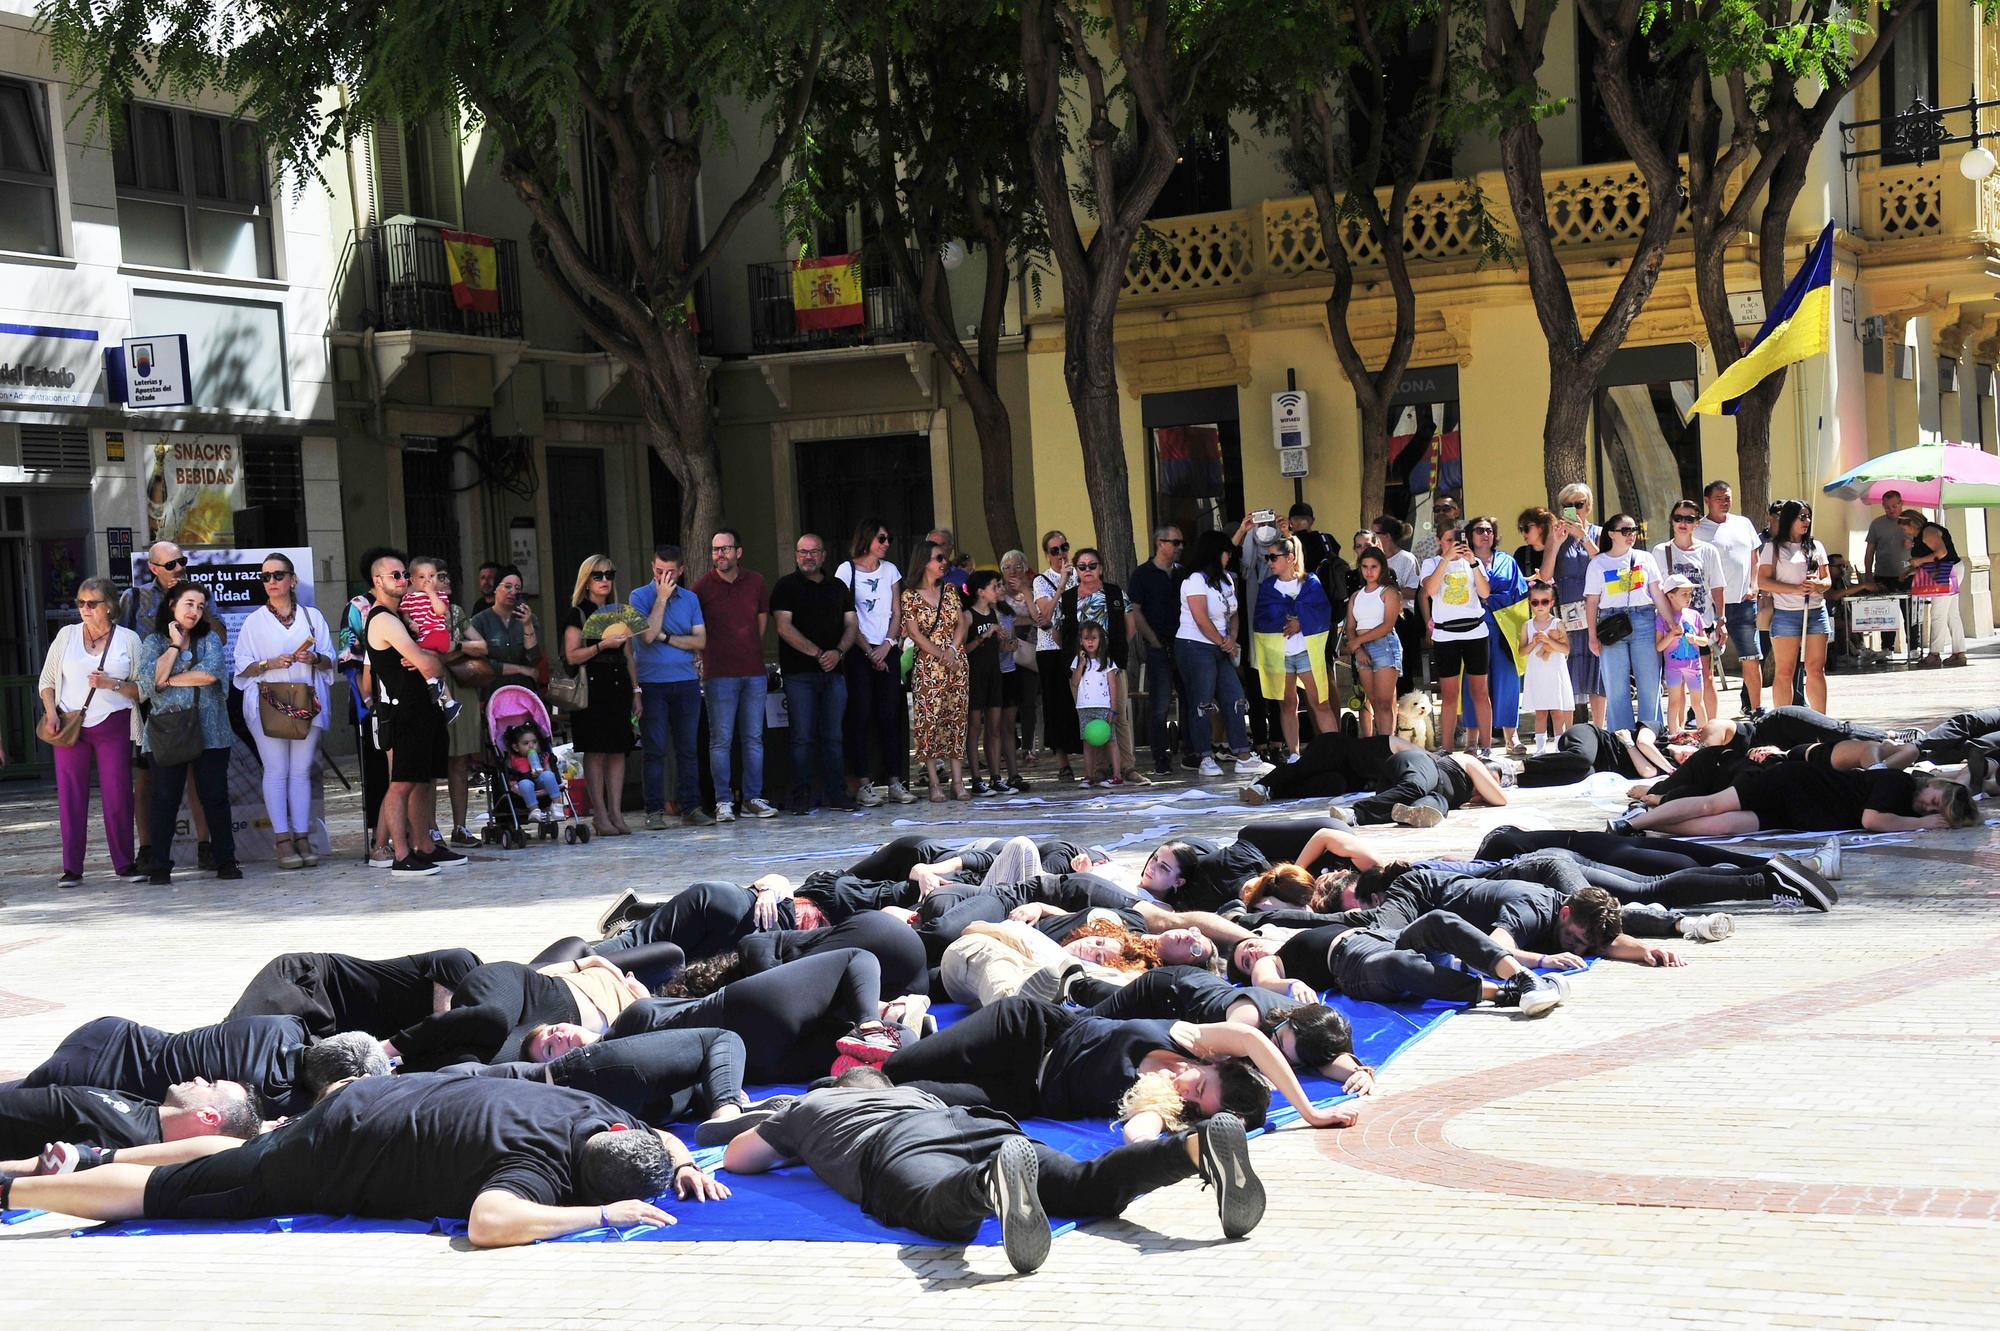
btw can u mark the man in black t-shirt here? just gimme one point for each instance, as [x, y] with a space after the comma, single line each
[519, 1161]
[908, 1159]
[118, 1054]
[31, 1118]
[1806, 797]
[816, 624]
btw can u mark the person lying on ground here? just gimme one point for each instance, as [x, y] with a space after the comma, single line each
[331, 991]
[1545, 928]
[897, 949]
[35, 1119]
[1709, 770]
[909, 1159]
[658, 1077]
[1026, 1057]
[270, 1055]
[1784, 728]
[1419, 789]
[1654, 856]
[518, 1161]
[1972, 738]
[498, 1004]
[1805, 797]
[1585, 749]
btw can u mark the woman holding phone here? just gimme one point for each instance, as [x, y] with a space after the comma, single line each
[284, 661]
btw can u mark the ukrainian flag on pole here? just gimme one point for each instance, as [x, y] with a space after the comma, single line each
[1797, 328]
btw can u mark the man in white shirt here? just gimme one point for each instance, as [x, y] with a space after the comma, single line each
[1736, 540]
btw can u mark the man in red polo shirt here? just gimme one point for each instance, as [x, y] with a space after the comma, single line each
[736, 607]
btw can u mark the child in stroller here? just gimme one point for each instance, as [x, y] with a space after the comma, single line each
[530, 771]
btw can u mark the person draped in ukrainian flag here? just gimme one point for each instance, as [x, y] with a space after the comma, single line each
[1288, 640]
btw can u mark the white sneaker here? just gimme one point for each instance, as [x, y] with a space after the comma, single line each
[758, 808]
[1341, 813]
[1291, 758]
[867, 796]
[1706, 928]
[381, 861]
[1827, 859]
[725, 812]
[1251, 767]
[1209, 767]
[900, 793]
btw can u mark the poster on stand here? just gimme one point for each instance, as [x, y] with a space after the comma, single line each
[233, 579]
[194, 487]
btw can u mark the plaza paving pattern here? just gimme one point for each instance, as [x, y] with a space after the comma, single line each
[1797, 1129]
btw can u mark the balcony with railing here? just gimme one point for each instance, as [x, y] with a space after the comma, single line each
[887, 315]
[394, 278]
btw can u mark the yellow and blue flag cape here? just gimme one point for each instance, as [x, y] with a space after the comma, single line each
[1796, 328]
[1267, 632]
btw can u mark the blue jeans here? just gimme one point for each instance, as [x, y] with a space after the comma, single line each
[1211, 683]
[737, 705]
[1634, 659]
[666, 709]
[816, 701]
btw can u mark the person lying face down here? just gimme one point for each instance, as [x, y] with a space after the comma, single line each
[519, 1161]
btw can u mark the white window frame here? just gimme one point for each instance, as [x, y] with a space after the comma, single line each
[42, 103]
[181, 120]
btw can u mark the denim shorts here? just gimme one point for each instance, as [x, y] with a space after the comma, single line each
[1385, 653]
[1785, 623]
[1742, 616]
[1299, 663]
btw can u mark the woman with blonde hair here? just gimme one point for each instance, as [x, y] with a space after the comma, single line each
[1570, 544]
[602, 730]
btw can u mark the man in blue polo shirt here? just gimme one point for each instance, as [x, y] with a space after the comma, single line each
[670, 689]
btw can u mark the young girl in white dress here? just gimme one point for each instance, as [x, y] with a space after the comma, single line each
[1545, 687]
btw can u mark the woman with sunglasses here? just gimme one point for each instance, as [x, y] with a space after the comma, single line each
[1506, 587]
[1624, 583]
[90, 668]
[284, 642]
[1701, 564]
[1060, 731]
[1569, 545]
[1288, 641]
[878, 755]
[183, 663]
[602, 731]
[1792, 566]
[940, 685]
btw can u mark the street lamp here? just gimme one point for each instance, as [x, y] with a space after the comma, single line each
[952, 252]
[1977, 164]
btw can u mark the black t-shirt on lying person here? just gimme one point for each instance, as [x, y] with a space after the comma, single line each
[1219, 876]
[120, 1054]
[425, 1144]
[1805, 797]
[84, 1115]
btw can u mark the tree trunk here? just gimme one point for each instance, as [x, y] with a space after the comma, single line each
[677, 421]
[1753, 447]
[1374, 455]
[1105, 476]
[995, 428]
[1565, 425]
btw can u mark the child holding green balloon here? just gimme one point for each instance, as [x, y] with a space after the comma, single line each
[1095, 680]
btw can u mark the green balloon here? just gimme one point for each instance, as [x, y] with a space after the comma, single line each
[1097, 733]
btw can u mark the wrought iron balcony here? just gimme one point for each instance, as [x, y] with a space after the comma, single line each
[395, 277]
[887, 315]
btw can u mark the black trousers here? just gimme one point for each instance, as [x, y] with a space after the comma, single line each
[1706, 772]
[895, 946]
[659, 1077]
[1788, 727]
[926, 1171]
[652, 964]
[703, 920]
[1172, 993]
[1382, 967]
[789, 1018]
[1972, 738]
[871, 733]
[491, 1005]
[895, 857]
[993, 1057]
[1061, 734]
[1567, 872]
[1642, 855]
[331, 992]
[211, 787]
[1330, 765]
[1282, 840]
[1580, 751]
[1408, 778]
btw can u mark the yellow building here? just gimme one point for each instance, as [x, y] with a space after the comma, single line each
[1231, 302]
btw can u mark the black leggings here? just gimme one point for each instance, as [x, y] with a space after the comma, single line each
[1172, 993]
[1413, 778]
[1566, 872]
[1788, 727]
[788, 1017]
[993, 1057]
[1580, 751]
[651, 964]
[897, 949]
[1282, 840]
[1381, 967]
[659, 1077]
[1331, 765]
[490, 1005]
[331, 993]
[872, 728]
[1061, 734]
[1972, 738]
[894, 859]
[1646, 856]
[703, 920]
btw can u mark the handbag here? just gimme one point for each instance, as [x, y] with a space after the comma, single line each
[1938, 578]
[174, 738]
[572, 691]
[68, 728]
[287, 710]
[1613, 628]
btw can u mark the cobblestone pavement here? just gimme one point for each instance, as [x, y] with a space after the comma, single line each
[1799, 1128]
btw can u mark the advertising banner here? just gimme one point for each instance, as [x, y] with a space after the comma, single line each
[194, 486]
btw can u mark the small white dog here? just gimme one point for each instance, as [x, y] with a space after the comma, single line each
[1416, 719]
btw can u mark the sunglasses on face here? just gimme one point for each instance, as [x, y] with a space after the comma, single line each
[1062, 549]
[1082, 567]
[275, 575]
[881, 537]
[603, 574]
[1685, 519]
[1621, 531]
[88, 605]
[396, 575]
[174, 563]
[1173, 540]
[1479, 531]
[1543, 602]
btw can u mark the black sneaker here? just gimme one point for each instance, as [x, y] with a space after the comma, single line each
[413, 866]
[228, 873]
[697, 817]
[1225, 1165]
[1620, 827]
[720, 1132]
[841, 803]
[1011, 1186]
[1793, 879]
[70, 880]
[204, 855]
[445, 857]
[142, 862]
[161, 875]
[1190, 762]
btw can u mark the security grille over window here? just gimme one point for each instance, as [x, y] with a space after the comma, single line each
[54, 450]
[273, 474]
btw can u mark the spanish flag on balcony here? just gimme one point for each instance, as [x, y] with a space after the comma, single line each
[1796, 328]
[826, 292]
[473, 265]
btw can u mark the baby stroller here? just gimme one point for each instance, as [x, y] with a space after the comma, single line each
[509, 818]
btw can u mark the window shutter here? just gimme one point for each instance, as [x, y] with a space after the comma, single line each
[55, 450]
[388, 172]
[441, 144]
